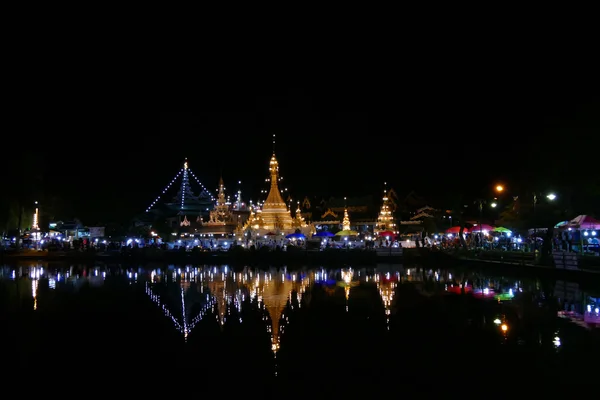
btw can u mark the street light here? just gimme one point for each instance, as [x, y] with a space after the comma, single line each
[499, 188]
[550, 197]
[493, 205]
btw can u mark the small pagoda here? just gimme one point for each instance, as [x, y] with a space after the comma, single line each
[385, 220]
[220, 214]
[346, 221]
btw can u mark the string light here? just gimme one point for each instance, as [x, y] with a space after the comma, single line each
[184, 327]
[164, 190]
[184, 172]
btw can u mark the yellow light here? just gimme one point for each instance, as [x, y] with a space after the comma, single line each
[504, 327]
[499, 188]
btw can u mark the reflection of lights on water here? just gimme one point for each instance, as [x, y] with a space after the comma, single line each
[185, 328]
[34, 287]
[556, 341]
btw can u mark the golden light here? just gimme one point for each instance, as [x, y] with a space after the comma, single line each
[504, 327]
[499, 188]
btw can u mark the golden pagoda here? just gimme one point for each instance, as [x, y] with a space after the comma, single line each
[220, 215]
[385, 220]
[299, 221]
[275, 214]
[346, 221]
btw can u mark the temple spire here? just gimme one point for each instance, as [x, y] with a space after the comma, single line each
[385, 220]
[275, 213]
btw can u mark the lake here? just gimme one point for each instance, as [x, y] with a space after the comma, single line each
[353, 331]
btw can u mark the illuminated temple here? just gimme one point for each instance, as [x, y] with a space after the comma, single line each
[275, 215]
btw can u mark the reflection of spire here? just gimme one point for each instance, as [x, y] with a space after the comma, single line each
[386, 287]
[347, 276]
[184, 313]
[186, 325]
[34, 288]
[217, 288]
[274, 289]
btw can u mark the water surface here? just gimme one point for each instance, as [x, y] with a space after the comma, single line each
[335, 330]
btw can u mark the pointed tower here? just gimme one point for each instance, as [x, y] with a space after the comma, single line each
[346, 221]
[275, 213]
[255, 220]
[220, 215]
[385, 220]
[185, 202]
[299, 221]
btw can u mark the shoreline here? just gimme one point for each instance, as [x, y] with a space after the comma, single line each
[310, 257]
[336, 257]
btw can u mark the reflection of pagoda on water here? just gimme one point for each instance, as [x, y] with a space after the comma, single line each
[273, 290]
[386, 285]
[347, 282]
[186, 280]
[217, 285]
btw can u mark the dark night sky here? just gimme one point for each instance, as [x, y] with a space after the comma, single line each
[433, 138]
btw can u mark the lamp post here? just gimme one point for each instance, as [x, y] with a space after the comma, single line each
[550, 197]
[480, 203]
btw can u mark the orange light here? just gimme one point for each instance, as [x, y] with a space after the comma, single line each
[504, 327]
[499, 188]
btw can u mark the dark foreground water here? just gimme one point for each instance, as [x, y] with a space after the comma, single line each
[170, 330]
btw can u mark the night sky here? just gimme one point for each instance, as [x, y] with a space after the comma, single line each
[435, 139]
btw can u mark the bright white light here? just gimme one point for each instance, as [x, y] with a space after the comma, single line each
[551, 196]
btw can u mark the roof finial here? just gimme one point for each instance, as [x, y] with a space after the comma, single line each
[273, 143]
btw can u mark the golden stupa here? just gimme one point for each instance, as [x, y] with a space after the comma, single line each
[275, 214]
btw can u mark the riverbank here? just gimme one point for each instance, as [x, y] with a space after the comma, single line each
[523, 267]
[559, 260]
